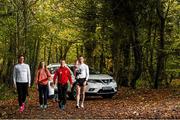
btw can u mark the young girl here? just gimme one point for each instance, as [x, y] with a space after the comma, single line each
[52, 90]
[42, 77]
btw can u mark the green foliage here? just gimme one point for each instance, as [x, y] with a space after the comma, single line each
[6, 93]
[110, 34]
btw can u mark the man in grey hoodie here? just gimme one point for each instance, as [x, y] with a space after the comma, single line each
[22, 79]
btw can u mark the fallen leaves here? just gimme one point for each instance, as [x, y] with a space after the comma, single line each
[128, 103]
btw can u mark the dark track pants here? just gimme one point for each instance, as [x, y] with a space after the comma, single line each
[22, 89]
[62, 90]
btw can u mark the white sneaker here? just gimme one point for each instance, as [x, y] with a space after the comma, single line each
[41, 106]
[77, 106]
[82, 106]
[45, 106]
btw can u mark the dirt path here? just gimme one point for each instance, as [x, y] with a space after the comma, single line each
[127, 103]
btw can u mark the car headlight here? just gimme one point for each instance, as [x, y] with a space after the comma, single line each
[113, 81]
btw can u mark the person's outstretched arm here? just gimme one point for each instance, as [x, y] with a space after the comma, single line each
[70, 77]
[55, 76]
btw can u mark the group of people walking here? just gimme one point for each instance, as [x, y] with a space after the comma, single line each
[22, 80]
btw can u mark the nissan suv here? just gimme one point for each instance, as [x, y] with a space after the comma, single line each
[98, 84]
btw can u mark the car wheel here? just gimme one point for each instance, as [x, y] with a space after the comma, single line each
[107, 96]
[73, 91]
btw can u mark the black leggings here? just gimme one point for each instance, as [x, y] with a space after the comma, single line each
[62, 90]
[22, 89]
[43, 92]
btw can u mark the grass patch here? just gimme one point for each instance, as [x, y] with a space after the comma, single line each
[6, 92]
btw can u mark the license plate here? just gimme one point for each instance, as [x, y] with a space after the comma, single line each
[107, 88]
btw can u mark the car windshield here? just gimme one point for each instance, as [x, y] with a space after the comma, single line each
[91, 70]
[52, 69]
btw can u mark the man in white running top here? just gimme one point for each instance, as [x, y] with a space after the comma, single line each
[82, 75]
[22, 79]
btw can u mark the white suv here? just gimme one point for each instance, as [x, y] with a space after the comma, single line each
[98, 84]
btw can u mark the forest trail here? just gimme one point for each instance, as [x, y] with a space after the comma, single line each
[127, 103]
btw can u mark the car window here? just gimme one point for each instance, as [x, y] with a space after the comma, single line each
[71, 68]
[53, 69]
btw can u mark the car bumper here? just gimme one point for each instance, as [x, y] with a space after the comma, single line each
[101, 89]
[98, 94]
[96, 91]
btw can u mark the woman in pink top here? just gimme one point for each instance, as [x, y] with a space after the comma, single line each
[42, 77]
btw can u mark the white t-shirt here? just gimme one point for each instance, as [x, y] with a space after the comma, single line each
[50, 88]
[84, 71]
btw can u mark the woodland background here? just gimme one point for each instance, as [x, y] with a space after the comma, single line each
[136, 41]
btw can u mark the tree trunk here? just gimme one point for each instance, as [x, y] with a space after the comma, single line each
[137, 49]
[90, 30]
[35, 60]
[17, 33]
[66, 49]
[10, 61]
[25, 13]
[160, 52]
[160, 55]
[126, 62]
[45, 52]
[57, 54]
[102, 64]
[77, 51]
[61, 52]
[49, 54]
[151, 67]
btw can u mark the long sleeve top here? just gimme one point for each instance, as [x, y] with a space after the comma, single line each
[42, 76]
[83, 71]
[63, 74]
[21, 74]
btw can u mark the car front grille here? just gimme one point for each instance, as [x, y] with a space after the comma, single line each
[105, 91]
